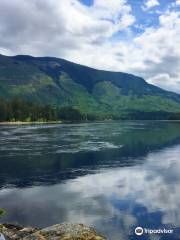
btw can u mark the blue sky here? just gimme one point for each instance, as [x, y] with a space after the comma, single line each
[141, 37]
[143, 17]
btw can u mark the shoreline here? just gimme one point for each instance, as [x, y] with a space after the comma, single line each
[27, 123]
[76, 122]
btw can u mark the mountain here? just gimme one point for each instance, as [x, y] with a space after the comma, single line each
[57, 82]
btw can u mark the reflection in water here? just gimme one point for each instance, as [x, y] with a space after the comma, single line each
[129, 178]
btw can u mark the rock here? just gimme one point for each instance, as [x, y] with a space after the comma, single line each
[15, 232]
[65, 231]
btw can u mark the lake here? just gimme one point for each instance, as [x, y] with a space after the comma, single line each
[113, 176]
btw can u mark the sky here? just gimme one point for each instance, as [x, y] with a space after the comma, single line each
[141, 37]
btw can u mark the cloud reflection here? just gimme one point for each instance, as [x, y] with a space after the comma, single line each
[113, 200]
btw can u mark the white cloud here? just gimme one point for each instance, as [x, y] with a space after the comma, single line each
[154, 54]
[150, 4]
[99, 36]
[54, 27]
[164, 80]
[161, 52]
[178, 2]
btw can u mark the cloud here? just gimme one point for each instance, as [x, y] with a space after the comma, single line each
[161, 52]
[165, 81]
[101, 36]
[55, 27]
[150, 4]
[152, 54]
[178, 2]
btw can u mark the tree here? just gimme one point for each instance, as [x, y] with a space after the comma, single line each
[70, 114]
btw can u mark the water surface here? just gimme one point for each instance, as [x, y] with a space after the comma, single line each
[112, 176]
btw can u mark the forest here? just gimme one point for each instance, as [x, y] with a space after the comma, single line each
[20, 110]
[17, 109]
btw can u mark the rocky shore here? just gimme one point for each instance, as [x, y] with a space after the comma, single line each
[65, 231]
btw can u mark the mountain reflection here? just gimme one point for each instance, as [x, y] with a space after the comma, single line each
[47, 154]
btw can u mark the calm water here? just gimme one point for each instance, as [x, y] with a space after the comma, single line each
[113, 176]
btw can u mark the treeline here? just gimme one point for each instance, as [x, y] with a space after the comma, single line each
[175, 116]
[158, 115]
[21, 110]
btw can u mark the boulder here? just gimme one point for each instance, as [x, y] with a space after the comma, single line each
[64, 231]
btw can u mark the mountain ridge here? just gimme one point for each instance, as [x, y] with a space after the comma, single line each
[59, 82]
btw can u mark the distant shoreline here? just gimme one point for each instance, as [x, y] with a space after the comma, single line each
[26, 123]
[73, 122]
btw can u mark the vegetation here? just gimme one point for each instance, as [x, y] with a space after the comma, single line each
[20, 110]
[2, 212]
[70, 113]
[81, 93]
[175, 116]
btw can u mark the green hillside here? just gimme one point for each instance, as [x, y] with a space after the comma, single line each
[60, 83]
